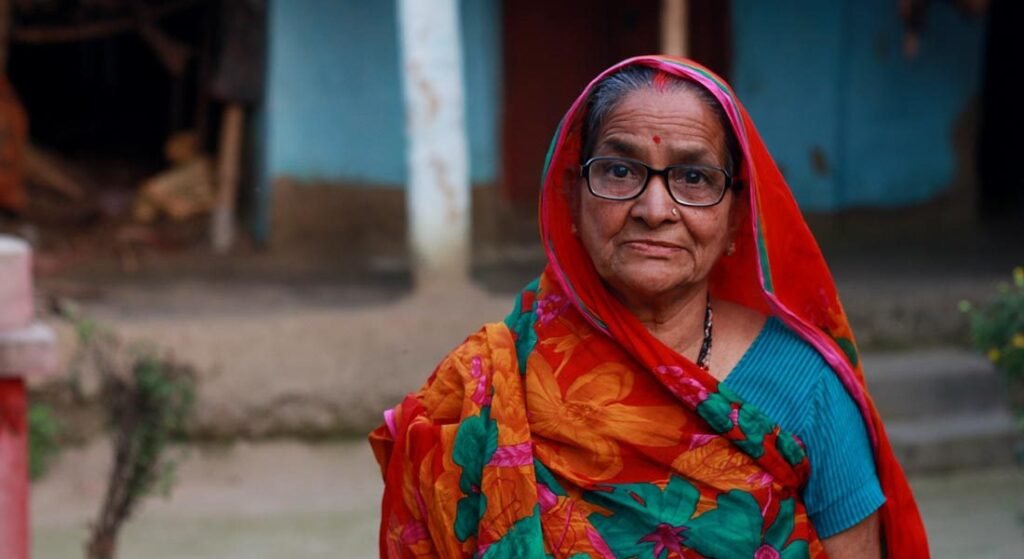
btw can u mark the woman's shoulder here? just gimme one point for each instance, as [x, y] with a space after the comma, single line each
[787, 379]
[781, 374]
[467, 366]
[735, 328]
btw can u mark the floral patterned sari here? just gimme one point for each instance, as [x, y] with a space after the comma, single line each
[569, 431]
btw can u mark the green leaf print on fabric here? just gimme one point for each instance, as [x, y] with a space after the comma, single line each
[728, 394]
[717, 411]
[848, 347]
[524, 540]
[796, 550]
[755, 425]
[521, 324]
[733, 529]
[467, 515]
[790, 448]
[647, 521]
[780, 530]
[544, 475]
[475, 444]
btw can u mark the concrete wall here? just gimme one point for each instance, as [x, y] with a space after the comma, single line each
[334, 96]
[334, 121]
[331, 134]
[850, 119]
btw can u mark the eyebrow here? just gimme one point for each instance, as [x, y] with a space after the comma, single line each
[620, 147]
[699, 155]
[693, 155]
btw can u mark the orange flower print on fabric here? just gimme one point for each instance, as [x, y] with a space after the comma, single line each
[715, 461]
[410, 540]
[509, 407]
[443, 394]
[437, 493]
[511, 496]
[566, 528]
[591, 421]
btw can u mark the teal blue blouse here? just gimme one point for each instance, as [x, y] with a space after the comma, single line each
[790, 382]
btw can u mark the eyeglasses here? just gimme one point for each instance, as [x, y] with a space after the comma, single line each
[618, 178]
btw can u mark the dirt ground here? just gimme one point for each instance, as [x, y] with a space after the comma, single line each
[289, 499]
[267, 500]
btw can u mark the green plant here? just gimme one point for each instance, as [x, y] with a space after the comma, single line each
[148, 407]
[148, 397]
[43, 430]
[997, 328]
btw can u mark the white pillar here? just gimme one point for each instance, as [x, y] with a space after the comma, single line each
[675, 22]
[438, 190]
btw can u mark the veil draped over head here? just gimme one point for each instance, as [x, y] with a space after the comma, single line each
[777, 269]
[522, 443]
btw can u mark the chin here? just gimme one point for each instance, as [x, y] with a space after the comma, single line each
[648, 286]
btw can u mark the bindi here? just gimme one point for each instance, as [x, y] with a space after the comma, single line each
[656, 139]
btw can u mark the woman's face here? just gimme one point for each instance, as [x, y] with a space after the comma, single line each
[640, 247]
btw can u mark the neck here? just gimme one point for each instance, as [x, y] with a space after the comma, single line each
[677, 321]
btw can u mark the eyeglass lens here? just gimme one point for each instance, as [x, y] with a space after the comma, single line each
[688, 184]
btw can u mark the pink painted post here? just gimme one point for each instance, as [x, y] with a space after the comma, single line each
[26, 347]
[13, 469]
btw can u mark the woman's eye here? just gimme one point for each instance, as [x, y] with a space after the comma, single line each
[690, 177]
[620, 171]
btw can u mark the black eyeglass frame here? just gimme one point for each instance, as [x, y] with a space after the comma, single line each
[651, 171]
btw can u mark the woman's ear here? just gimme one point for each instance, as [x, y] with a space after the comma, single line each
[737, 216]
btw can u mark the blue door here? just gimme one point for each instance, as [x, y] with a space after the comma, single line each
[850, 118]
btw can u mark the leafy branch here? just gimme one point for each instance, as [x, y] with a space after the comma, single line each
[149, 397]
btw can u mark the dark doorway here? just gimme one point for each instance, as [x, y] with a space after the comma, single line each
[1002, 191]
[101, 102]
[552, 49]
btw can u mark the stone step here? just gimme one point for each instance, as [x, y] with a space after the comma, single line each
[28, 351]
[926, 383]
[957, 441]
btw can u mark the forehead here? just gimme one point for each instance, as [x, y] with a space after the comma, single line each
[678, 118]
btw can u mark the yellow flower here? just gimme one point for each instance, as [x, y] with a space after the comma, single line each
[994, 354]
[1018, 340]
[1018, 276]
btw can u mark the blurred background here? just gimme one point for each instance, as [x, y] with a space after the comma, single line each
[228, 183]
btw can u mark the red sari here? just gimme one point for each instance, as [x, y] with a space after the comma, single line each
[569, 429]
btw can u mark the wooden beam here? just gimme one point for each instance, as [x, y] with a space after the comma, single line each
[42, 169]
[5, 34]
[675, 21]
[70, 33]
[222, 224]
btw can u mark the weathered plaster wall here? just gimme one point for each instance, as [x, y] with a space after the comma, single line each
[334, 95]
[850, 119]
[334, 119]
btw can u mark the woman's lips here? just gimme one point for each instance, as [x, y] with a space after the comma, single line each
[653, 248]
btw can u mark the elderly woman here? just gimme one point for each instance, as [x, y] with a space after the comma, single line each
[681, 381]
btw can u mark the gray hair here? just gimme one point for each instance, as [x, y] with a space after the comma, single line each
[609, 92]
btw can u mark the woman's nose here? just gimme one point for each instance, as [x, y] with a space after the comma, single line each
[655, 206]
